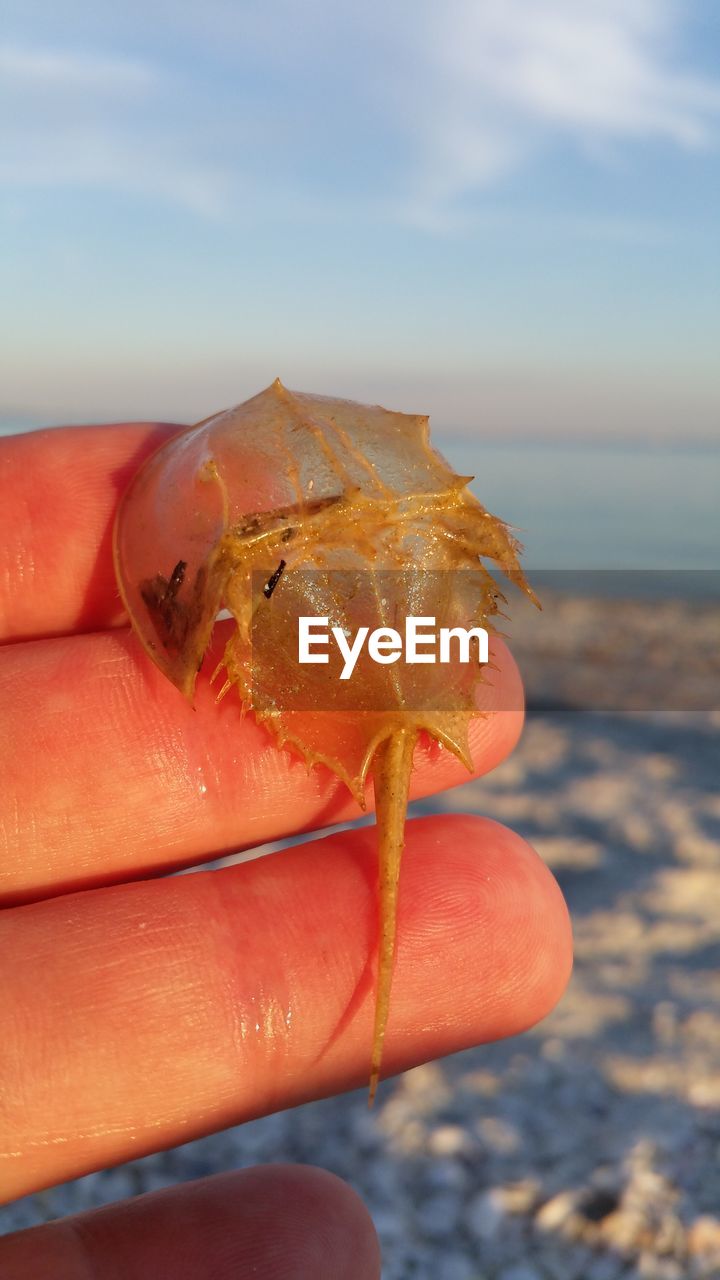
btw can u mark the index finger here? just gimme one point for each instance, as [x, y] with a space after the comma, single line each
[60, 491]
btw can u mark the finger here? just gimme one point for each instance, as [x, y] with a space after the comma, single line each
[107, 772]
[148, 1014]
[281, 1222]
[60, 490]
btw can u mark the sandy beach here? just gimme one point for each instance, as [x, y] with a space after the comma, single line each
[586, 1149]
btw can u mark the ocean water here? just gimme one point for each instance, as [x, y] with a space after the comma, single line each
[615, 520]
[601, 507]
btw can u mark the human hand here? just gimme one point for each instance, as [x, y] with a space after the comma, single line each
[139, 1012]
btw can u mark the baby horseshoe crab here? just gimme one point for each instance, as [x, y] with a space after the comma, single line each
[309, 517]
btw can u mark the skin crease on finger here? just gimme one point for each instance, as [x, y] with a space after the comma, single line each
[194, 1003]
[277, 1222]
[108, 772]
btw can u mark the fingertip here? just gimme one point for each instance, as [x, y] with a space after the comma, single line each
[483, 920]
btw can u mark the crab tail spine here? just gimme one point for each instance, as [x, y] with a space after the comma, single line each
[392, 767]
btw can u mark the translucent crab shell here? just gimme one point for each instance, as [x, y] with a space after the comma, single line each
[276, 461]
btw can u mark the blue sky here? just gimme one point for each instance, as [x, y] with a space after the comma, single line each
[501, 212]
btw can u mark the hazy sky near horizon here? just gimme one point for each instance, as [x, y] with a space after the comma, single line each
[501, 212]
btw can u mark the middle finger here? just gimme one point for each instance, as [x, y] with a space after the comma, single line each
[143, 1015]
[107, 773]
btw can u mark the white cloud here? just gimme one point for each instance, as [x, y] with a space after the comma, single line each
[504, 79]
[44, 69]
